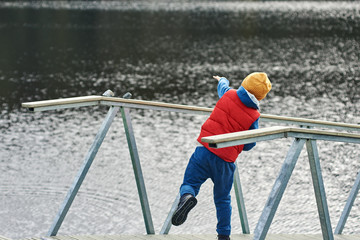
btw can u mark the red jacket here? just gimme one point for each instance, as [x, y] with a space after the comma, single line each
[229, 115]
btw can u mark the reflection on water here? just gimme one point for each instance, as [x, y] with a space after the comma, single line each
[167, 51]
[170, 49]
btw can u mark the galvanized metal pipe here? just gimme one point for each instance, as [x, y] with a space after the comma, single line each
[83, 171]
[167, 224]
[349, 203]
[99, 100]
[315, 136]
[240, 202]
[319, 189]
[278, 189]
[135, 160]
[309, 123]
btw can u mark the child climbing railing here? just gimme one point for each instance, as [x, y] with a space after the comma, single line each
[300, 136]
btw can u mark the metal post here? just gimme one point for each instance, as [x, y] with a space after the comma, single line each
[167, 224]
[137, 170]
[240, 203]
[319, 189]
[83, 171]
[278, 189]
[349, 203]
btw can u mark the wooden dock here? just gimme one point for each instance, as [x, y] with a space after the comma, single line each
[4, 238]
[191, 237]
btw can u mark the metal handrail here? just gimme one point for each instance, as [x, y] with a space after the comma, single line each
[269, 133]
[140, 104]
[300, 135]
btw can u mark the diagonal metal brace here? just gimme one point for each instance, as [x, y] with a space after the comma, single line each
[83, 171]
[278, 189]
[135, 160]
[167, 224]
[349, 203]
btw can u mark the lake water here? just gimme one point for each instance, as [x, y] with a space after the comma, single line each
[167, 51]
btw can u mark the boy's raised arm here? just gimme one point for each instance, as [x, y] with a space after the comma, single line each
[223, 85]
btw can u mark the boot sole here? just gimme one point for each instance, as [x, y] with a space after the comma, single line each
[180, 214]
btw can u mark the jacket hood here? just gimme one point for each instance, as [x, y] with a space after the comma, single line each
[247, 98]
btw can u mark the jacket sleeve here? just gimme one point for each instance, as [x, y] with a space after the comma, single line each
[223, 86]
[249, 146]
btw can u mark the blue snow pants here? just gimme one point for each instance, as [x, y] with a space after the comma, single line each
[202, 165]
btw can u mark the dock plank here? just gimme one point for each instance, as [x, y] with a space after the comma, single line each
[193, 237]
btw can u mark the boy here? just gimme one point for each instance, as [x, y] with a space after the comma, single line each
[236, 110]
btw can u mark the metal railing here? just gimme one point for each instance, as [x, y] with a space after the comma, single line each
[300, 136]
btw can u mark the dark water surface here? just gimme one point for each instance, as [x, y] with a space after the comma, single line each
[168, 51]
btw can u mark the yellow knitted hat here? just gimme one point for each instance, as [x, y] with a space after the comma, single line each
[258, 84]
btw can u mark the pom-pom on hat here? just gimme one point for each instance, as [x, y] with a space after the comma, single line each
[258, 84]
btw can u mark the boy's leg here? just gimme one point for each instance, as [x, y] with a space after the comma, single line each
[223, 174]
[196, 174]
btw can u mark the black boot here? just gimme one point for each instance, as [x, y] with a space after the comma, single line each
[187, 202]
[223, 237]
